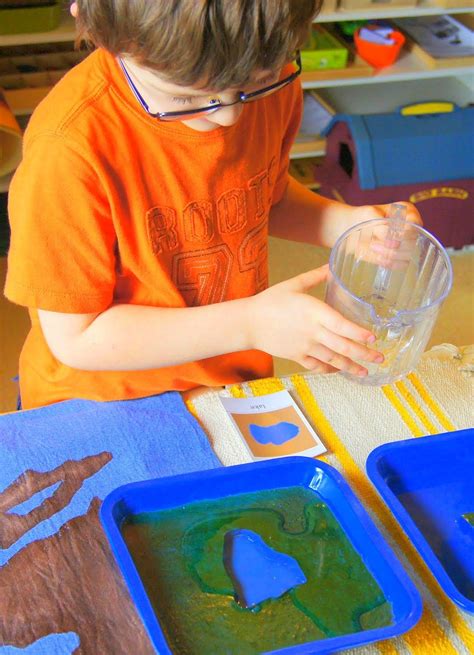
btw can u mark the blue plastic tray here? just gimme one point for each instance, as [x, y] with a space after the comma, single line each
[428, 483]
[329, 487]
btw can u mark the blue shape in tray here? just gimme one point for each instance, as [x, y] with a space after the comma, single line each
[428, 483]
[276, 434]
[258, 572]
[323, 480]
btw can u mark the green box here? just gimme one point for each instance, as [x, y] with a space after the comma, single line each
[323, 51]
[30, 19]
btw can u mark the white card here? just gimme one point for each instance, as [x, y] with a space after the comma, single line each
[273, 426]
[376, 36]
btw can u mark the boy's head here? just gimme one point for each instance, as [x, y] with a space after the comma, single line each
[214, 44]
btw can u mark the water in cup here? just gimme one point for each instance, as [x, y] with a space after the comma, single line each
[392, 279]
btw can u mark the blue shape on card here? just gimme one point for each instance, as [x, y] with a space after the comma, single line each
[258, 572]
[277, 434]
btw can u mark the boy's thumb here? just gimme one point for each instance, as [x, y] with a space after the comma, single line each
[310, 279]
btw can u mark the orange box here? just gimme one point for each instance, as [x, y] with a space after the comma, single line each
[377, 54]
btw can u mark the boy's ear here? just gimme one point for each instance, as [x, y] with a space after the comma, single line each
[73, 9]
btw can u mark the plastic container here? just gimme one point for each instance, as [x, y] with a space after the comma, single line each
[323, 51]
[430, 502]
[30, 19]
[316, 477]
[393, 283]
[376, 54]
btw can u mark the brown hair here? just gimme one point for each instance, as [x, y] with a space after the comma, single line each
[216, 43]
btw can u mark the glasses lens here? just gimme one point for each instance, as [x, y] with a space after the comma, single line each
[186, 115]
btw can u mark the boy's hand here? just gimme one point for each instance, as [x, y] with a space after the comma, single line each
[369, 212]
[394, 253]
[288, 322]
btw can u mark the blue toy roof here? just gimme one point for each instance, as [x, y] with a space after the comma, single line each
[396, 149]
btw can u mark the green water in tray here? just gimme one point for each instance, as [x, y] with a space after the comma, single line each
[179, 553]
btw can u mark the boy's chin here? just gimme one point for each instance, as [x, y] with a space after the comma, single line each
[201, 125]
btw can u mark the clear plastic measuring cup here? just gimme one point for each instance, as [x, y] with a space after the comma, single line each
[391, 277]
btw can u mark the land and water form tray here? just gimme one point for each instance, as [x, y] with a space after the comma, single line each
[428, 483]
[168, 538]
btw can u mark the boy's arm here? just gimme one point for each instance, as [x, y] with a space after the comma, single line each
[131, 337]
[303, 215]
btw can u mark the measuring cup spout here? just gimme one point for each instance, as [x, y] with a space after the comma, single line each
[396, 228]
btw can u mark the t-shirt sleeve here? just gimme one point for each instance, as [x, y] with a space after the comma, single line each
[294, 111]
[62, 250]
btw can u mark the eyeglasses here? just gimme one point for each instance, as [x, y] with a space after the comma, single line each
[216, 104]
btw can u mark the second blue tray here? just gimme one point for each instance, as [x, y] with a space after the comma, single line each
[428, 483]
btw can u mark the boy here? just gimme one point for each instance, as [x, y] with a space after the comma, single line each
[152, 175]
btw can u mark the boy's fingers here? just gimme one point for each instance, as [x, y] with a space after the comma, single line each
[413, 215]
[348, 348]
[337, 361]
[310, 279]
[317, 366]
[337, 324]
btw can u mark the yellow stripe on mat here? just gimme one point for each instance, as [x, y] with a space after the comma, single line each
[428, 624]
[405, 415]
[415, 407]
[267, 385]
[191, 408]
[430, 402]
[237, 391]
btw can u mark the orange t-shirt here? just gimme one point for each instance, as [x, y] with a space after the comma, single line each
[112, 206]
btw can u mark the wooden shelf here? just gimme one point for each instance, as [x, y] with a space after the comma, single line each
[22, 102]
[303, 149]
[356, 68]
[423, 8]
[65, 32]
[362, 99]
[409, 66]
[303, 171]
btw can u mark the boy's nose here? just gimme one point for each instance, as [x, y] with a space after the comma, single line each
[226, 116]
